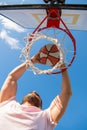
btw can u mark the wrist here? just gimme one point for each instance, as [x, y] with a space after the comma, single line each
[27, 64]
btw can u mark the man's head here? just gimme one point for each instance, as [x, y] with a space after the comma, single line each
[33, 98]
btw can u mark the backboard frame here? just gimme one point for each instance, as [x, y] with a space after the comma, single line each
[22, 14]
[44, 6]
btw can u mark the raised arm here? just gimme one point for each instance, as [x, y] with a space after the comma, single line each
[9, 87]
[60, 103]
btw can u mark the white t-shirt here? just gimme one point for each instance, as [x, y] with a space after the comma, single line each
[14, 116]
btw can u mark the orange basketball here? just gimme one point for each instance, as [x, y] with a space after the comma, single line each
[49, 54]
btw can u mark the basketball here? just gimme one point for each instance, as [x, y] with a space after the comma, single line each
[49, 54]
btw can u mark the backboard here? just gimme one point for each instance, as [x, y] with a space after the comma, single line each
[29, 16]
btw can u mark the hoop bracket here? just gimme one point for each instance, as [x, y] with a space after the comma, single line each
[53, 20]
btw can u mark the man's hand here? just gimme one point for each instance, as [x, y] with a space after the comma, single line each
[62, 67]
[36, 59]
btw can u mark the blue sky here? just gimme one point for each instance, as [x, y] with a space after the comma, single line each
[48, 86]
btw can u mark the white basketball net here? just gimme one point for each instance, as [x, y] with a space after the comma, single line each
[26, 53]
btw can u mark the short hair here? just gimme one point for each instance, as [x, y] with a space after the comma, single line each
[33, 98]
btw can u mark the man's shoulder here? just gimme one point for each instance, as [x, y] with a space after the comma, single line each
[12, 99]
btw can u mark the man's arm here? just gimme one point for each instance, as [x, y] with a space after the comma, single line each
[9, 87]
[60, 103]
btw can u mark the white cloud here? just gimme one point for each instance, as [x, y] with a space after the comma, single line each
[8, 24]
[8, 27]
[12, 42]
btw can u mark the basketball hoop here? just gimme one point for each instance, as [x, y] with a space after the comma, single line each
[57, 32]
[26, 53]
